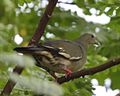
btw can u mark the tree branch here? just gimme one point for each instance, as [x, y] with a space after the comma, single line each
[35, 39]
[89, 71]
[43, 22]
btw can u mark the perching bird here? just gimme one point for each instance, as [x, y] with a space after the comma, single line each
[61, 56]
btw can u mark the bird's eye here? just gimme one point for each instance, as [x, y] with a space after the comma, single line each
[92, 36]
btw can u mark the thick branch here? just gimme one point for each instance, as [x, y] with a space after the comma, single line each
[35, 39]
[10, 84]
[89, 71]
[43, 22]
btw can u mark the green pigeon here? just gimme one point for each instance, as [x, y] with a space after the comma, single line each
[61, 56]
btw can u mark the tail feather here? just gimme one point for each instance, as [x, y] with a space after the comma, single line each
[31, 49]
[27, 49]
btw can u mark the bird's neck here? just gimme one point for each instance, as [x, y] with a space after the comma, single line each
[82, 42]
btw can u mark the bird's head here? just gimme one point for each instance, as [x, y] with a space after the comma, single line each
[87, 39]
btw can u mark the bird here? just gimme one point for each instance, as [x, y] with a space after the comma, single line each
[61, 56]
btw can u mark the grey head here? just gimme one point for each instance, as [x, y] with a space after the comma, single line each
[87, 39]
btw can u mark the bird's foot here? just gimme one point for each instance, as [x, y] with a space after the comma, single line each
[68, 72]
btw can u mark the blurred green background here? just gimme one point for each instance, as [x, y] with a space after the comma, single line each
[18, 22]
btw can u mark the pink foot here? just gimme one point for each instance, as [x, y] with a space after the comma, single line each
[68, 72]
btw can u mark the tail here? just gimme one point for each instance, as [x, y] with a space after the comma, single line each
[34, 49]
[28, 49]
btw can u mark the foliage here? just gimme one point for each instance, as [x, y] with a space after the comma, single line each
[78, 87]
[64, 24]
[38, 86]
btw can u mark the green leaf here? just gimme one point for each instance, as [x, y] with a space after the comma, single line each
[115, 79]
[118, 11]
[78, 87]
[110, 12]
[80, 3]
[28, 1]
[91, 1]
[21, 2]
[86, 11]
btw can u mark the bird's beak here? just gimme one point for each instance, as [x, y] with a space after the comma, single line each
[97, 43]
